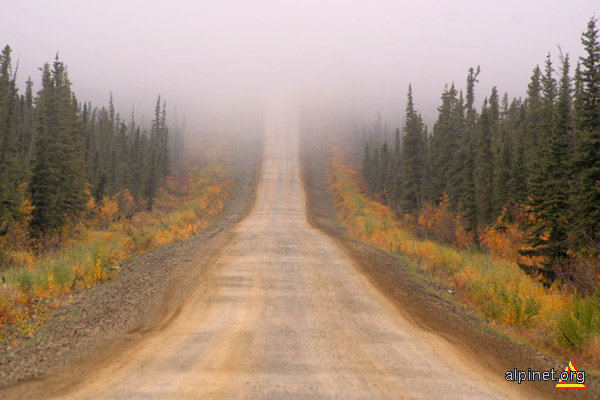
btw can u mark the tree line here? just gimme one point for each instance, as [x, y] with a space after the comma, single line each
[541, 154]
[58, 153]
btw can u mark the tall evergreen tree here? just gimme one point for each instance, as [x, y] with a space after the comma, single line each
[444, 143]
[549, 92]
[377, 186]
[396, 184]
[545, 130]
[413, 158]
[9, 163]
[516, 136]
[164, 144]
[549, 201]
[57, 184]
[464, 160]
[484, 175]
[366, 163]
[533, 124]
[25, 127]
[456, 172]
[385, 172]
[587, 164]
[502, 150]
[578, 106]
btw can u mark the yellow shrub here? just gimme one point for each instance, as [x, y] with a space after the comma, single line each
[86, 255]
[495, 285]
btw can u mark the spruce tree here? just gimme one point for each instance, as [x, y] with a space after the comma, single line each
[164, 144]
[587, 165]
[484, 169]
[45, 180]
[376, 166]
[122, 167]
[465, 157]
[503, 149]
[366, 163]
[456, 173]
[549, 93]
[545, 131]
[385, 172]
[590, 77]
[9, 146]
[25, 127]
[57, 184]
[396, 188]
[413, 158]
[533, 128]
[578, 106]
[516, 136]
[444, 143]
[137, 162]
[151, 178]
[549, 201]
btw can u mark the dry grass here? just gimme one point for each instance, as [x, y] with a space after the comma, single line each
[492, 283]
[90, 250]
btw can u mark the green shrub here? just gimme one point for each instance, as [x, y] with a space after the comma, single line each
[579, 321]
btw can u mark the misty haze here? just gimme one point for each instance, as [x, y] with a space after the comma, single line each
[333, 199]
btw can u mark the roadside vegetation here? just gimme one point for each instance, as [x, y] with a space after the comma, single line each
[82, 188]
[533, 161]
[89, 250]
[487, 278]
[501, 202]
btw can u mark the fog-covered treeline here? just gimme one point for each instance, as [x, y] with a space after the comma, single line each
[540, 154]
[58, 153]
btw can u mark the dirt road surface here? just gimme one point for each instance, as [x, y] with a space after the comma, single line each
[282, 312]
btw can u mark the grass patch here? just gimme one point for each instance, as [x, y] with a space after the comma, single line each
[553, 319]
[91, 251]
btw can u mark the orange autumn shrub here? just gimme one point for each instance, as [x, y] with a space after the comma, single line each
[504, 242]
[493, 283]
[126, 204]
[506, 236]
[15, 243]
[464, 240]
[106, 211]
[85, 252]
[439, 222]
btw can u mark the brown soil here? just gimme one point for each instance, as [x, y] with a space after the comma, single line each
[425, 303]
[147, 293]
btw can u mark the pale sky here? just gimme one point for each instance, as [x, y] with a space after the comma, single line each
[222, 57]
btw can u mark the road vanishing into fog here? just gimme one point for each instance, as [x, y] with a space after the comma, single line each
[284, 314]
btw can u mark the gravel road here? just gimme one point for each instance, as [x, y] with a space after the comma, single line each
[280, 311]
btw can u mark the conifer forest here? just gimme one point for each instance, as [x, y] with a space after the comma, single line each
[533, 161]
[59, 153]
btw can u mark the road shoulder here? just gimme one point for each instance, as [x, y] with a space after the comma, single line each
[81, 336]
[425, 304]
